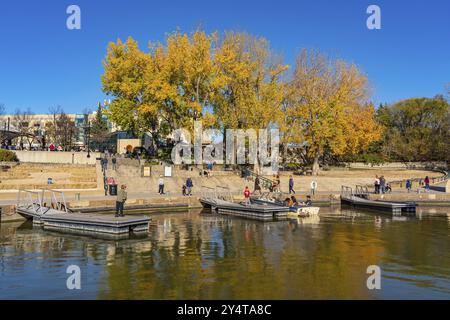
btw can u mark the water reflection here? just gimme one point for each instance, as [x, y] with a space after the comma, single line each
[203, 256]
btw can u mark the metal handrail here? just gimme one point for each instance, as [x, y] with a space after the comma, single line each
[58, 205]
[361, 190]
[38, 204]
[226, 193]
[265, 182]
[346, 191]
[29, 202]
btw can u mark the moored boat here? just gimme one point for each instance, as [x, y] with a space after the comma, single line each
[294, 211]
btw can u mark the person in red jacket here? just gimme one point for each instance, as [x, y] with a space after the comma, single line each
[247, 194]
[427, 183]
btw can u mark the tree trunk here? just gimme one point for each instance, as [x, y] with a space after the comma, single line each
[316, 168]
[256, 165]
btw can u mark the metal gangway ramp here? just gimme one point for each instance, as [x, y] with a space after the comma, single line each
[33, 204]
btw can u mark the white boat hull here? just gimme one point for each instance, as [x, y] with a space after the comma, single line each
[304, 212]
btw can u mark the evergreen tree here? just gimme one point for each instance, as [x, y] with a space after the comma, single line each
[99, 129]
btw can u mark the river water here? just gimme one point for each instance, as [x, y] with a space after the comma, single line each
[193, 255]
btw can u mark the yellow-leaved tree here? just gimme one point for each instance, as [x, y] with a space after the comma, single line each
[249, 90]
[328, 109]
[162, 90]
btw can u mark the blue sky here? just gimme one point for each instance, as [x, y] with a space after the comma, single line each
[43, 64]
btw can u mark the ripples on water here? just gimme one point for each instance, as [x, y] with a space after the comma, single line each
[203, 256]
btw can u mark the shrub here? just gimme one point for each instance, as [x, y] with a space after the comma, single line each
[7, 156]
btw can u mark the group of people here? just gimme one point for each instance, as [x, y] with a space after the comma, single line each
[275, 187]
[276, 183]
[422, 183]
[186, 189]
[289, 201]
[292, 201]
[104, 163]
[381, 185]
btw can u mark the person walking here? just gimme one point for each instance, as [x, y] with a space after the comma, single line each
[257, 185]
[102, 163]
[382, 185]
[247, 196]
[161, 185]
[189, 186]
[114, 161]
[377, 184]
[121, 198]
[105, 185]
[313, 187]
[273, 188]
[408, 185]
[291, 185]
[427, 183]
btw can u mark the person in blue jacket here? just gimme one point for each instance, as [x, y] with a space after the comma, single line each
[189, 186]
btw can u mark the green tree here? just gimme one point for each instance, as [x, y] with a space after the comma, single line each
[99, 130]
[418, 129]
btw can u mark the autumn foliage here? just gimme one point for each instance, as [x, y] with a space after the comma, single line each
[235, 80]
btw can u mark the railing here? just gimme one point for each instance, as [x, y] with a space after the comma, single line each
[264, 182]
[54, 203]
[219, 192]
[32, 200]
[433, 180]
[208, 192]
[224, 195]
[346, 192]
[445, 177]
[36, 200]
[361, 191]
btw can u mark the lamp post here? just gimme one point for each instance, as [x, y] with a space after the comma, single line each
[87, 135]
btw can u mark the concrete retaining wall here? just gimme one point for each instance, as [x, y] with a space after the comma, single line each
[56, 157]
[396, 165]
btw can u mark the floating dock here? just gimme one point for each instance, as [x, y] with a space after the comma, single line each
[136, 207]
[100, 223]
[359, 199]
[56, 216]
[251, 211]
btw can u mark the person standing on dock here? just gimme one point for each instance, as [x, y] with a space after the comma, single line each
[382, 185]
[257, 185]
[313, 187]
[161, 185]
[291, 185]
[247, 196]
[189, 186]
[121, 198]
[377, 184]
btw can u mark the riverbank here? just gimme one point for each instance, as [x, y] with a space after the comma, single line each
[154, 203]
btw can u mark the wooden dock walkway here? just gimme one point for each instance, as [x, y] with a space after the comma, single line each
[359, 198]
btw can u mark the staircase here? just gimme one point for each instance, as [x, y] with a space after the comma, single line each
[131, 174]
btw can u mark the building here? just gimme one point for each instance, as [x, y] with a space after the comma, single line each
[33, 128]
